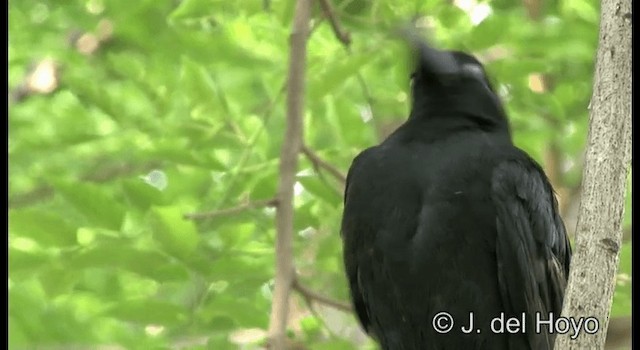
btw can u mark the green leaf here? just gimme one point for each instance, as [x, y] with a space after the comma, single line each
[43, 227]
[220, 342]
[177, 235]
[335, 75]
[622, 297]
[17, 337]
[26, 304]
[333, 344]
[627, 218]
[94, 202]
[236, 234]
[142, 195]
[57, 280]
[264, 184]
[122, 255]
[21, 261]
[170, 272]
[244, 312]
[320, 189]
[198, 82]
[191, 9]
[582, 9]
[487, 33]
[238, 268]
[127, 64]
[305, 216]
[180, 151]
[147, 311]
[311, 326]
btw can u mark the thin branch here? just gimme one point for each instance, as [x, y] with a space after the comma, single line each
[341, 34]
[314, 296]
[365, 90]
[267, 112]
[319, 317]
[231, 211]
[316, 314]
[345, 38]
[285, 273]
[533, 8]
[320, 163]
[38, 194]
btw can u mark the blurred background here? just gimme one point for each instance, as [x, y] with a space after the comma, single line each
[144, 139]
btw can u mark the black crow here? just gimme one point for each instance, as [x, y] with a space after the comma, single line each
[448, 216]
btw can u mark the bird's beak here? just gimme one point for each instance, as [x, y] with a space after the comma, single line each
[430, 60]
[436, 62]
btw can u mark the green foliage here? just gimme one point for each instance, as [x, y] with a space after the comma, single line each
[179, 109]
[622, 298]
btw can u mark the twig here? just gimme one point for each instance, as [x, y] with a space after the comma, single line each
[285, 273]
[311, 295]
[345, 38]
[316, 314]
[246, 153]
[231, 211]
[319, 163]
[36, 195]
[342, 35]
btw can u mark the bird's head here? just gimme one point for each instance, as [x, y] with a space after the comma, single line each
[452, 83]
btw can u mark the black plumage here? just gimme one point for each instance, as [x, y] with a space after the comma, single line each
[448, 215]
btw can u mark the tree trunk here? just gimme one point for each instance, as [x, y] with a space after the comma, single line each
[608, 158]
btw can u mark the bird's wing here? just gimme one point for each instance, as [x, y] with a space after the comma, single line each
[381, 211]
[533, 251]
[351, 242]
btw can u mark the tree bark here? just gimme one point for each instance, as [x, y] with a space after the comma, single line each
[608, 158]
[285, 273]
